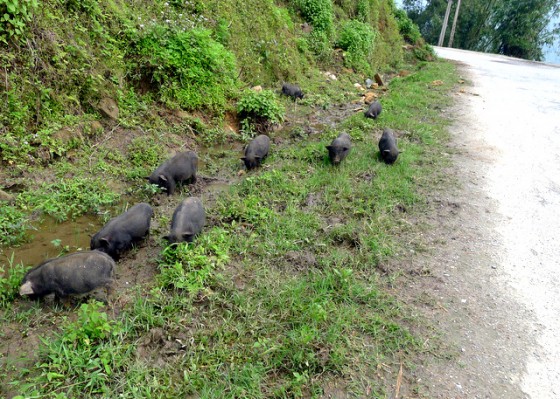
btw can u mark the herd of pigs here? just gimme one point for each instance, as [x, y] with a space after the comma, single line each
[82, 272]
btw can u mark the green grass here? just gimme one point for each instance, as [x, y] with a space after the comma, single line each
[281, 293]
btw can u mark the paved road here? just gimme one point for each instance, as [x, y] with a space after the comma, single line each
[518, 111]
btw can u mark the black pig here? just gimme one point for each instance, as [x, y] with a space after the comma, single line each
[256, 151]
[121, 232]
[77, 273]
[188, 220]
[181, 168]
[374, 110]
[388, 147]
[292, 91]
[339, 148]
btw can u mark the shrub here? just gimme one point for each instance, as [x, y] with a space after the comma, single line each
[357, 39]
[14, 15]
[13, 224]
[318, 13]
[10, 281]
[407, 28]
[259, 109]
[191, 69]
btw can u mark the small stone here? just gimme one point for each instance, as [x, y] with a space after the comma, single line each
[359, 86]
[378, 79]
[257, 88]
[108, 108]
[369, 97]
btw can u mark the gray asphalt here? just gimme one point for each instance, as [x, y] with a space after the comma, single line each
[519, 117]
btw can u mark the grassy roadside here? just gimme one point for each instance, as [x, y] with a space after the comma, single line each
[281, 295]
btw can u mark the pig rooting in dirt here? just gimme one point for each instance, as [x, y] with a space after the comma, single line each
[77, 273]
[291, 90]
[388, 147]
[256, 151]
[339, 148]
[123, 231]
[188, 220]
[179, 169]
[374, 110]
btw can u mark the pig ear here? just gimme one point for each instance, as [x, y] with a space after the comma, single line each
[345, 148]
[258, 158]
[166, 237]
[243, 158]
[389, 151]
[162, 177]
[328, 147]
[104, 241]
[147, 177]
[186, 236]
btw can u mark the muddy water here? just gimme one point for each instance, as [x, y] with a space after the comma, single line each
[73, 234]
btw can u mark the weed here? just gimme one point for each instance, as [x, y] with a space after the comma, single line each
[358, 39]
[10, 281]
[191, 69]
[13, 225]
[15, 16]
[259, 110]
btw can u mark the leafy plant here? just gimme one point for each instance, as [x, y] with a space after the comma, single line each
[357, 39]
[10, 280]
[318, 13]
[191, 69]
[69, 198]
[407, 28]
[192, 266]
[259, 109]
[14, 15]
[13, 224]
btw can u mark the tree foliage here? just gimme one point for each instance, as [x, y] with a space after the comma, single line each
[519, 28]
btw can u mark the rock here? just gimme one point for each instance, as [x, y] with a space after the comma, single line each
[369, 97]
[257, 88]
[359, 86]
[95, 128]
[369, 82]
[437, 83]
[5, 197]
[404, 73]
[66, 135]
[179, 113]
[305, 27]
[378, 79]
[108, 108]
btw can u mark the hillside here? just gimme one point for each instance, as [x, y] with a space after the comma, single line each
[286, 293]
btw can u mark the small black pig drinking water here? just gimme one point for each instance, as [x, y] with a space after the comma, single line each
[77, 273]
[123, 231]
[256, 151]
[374, 110]
[188, 220]
[388, 147]
[339, 148]
[179, 169]
[292, 91]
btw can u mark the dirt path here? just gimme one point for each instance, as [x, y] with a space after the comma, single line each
[494, 285]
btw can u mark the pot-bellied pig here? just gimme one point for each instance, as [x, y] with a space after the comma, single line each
[374, 110]
[188, 220]
[179, 169]
[121, 232]
[339, 148]
[388, 147]
[292, 91]
[256, 151]
[77, 273]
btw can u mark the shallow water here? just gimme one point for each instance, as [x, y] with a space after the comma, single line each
[75, 234]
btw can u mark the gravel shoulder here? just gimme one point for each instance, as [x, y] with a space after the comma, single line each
[491, 282]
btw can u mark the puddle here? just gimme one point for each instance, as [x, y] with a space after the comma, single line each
[74, 234]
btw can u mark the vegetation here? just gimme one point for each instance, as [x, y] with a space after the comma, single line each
[509, 27]
[281, 294]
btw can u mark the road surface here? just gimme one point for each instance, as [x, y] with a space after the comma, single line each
[508, 123]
